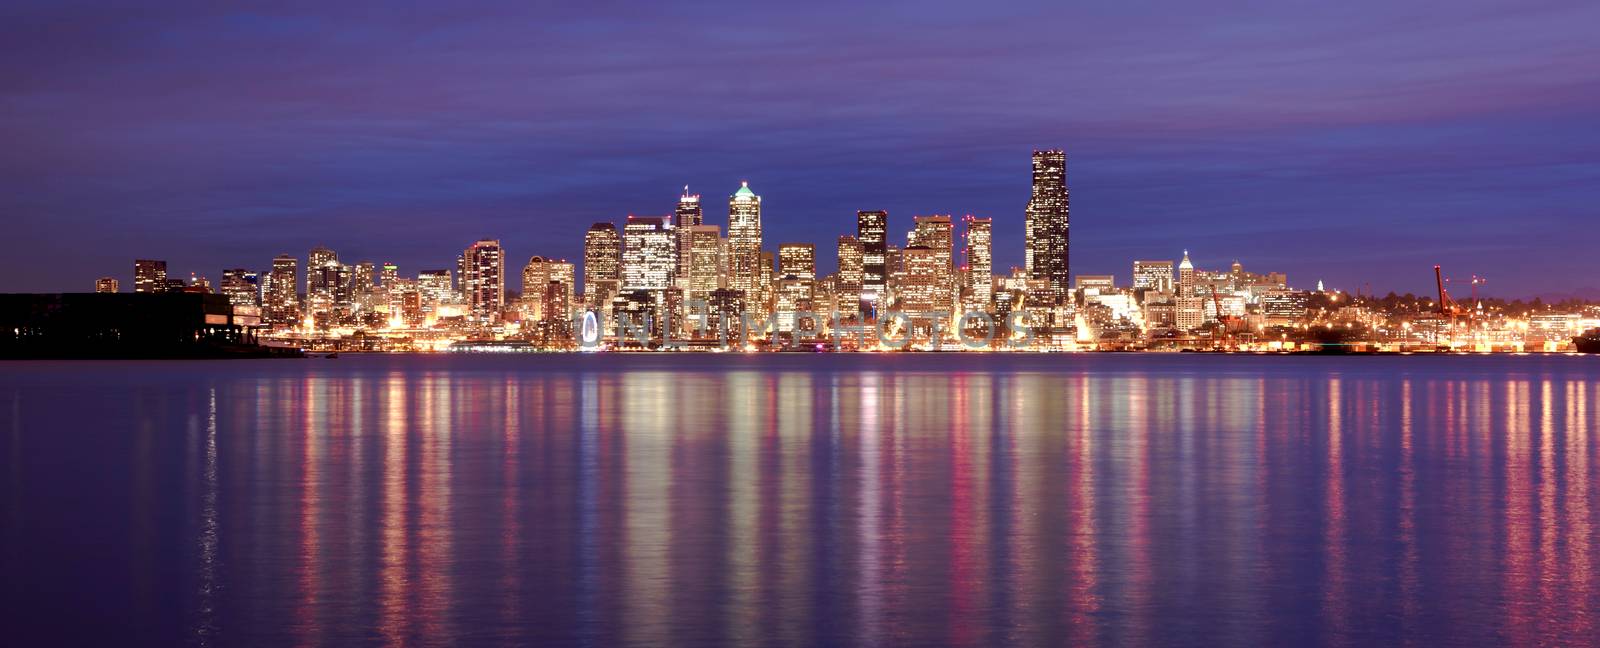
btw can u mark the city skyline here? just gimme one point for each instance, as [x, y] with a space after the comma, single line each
[1355, 144]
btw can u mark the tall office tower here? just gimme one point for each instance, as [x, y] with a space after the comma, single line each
[602, 265]
[1047, 225]
[484, 284]
[318, 259]
[434, 287]
[241, 286]
[1153, 275]
[283, 303]
[848, 285]
[149, 276]
[388, 274]
[980, 262]
[688, 213]
[921, 288]
[704, 270]
[364, 278]
[872, 231]
[744, 244]
[547, 289]
[648, 259]
[937, 233]
[685, 217]
[106, 285]
[1185, 276]
[797, 261]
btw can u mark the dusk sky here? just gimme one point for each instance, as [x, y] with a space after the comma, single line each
[1351, 142]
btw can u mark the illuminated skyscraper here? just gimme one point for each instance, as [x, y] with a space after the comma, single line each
[686, 217]
[241, 286]
[872, 230]
[106, 285]
[1185, 276]
[547, 289]
[149, 276]
[283, 300]
[648, 254]
[364, 280]
[388, 274]
[797, 260]
[744, 245]
[484, 284]
[937, 233]
[704, 254]
[1047, 222]
[849, 279]
[602, 265]
[688, 213]
[980, 263]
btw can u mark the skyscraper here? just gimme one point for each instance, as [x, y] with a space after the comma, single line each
[872, 231]
[602, 265]
[687, 216]
[1047, 222]
[797, 260]
[547, 289]
[240, 285]
[149, 276]
[484, 282]
[106, 285]
[1185, 276]
[688, 213]
[937, 233]
[980, 263]
[283, 302]
[704, 267]
[849, 279]
[744, 245]
[648, 259]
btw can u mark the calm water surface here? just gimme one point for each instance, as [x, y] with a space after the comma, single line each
[796, 499]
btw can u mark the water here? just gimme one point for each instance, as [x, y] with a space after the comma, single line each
[799, 499]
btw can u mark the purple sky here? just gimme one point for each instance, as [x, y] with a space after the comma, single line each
[1353, 142]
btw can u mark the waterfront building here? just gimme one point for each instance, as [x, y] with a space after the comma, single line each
[241, 286]
[106, 285]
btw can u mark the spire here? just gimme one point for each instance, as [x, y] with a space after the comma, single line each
[744, 191]
[1185, 264]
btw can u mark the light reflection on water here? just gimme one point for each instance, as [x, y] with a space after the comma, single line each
[805, 500]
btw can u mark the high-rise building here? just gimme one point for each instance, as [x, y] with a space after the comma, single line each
[106, 285]
[434, 287]
[921, 288]
[688, 213]
[602, 265]
[687, 216]
[1047, 220]
[547, 289]
[364, 278]
[1185, 276]
[744, 245]
[872, 231]
[980, 263]
[649, 256]
[937, 233]
[241, 286]
[319, 258]
[849, 278]
[1153, 275]
[704, 268]
[797, 260]
[388, 274]
[484, 283]
[149, 276]
[283, 302]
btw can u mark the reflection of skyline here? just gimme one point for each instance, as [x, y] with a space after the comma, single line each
[823, 507]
